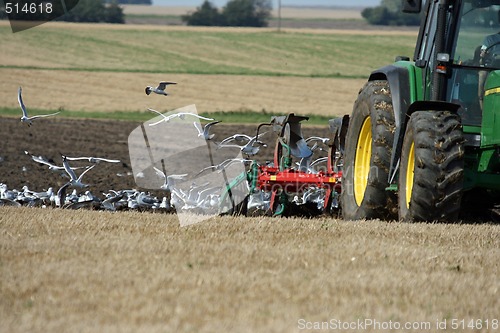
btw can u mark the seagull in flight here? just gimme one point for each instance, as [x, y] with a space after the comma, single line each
[92, 159]
[52, 166]
[181, 115]
[223, 165]
[248, 149]
[25, 118]
[75, 181]
[317, 138]
[160, 90]
[168, 181]
[242, 138]
[205, 131]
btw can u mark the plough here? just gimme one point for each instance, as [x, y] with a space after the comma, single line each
[282, 187]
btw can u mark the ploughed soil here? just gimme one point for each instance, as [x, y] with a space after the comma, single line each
[56, 136]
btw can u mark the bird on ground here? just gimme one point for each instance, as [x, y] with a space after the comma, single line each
[145, 200]
[43, 195]
[112, 198]
[25, 119]
[5, 193]
[160, 90]
[165, 203]
[181, 115]
[204, 131]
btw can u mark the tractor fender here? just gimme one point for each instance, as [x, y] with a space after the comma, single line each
[399, 83]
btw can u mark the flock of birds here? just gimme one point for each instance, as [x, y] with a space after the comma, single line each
[201, 198]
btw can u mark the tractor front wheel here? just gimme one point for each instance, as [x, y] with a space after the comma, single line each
[368, 154]
[432, 167]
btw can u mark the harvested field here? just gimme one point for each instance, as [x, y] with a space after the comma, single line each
[88, 271]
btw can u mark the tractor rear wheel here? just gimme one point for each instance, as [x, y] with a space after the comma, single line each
[432, 167]
[368, 154]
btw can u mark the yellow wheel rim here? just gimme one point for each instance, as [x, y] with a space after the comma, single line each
[362, 161]
[410, 171]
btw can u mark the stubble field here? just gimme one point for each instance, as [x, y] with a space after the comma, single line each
[86, 271]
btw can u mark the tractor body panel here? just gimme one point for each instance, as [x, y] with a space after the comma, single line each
[490, 133]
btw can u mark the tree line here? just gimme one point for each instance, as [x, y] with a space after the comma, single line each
[236, 13]
[389, 13]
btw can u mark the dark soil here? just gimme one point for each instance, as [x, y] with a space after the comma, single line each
[53, 137]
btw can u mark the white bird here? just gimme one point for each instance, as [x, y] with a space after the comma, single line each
[181, 115]
[319, 160]
[111, 199]
[5, 193]
[25, 118]
[165, 204]
[44, 195]
[92, 159]
[75, 181]
[60, 198]
[223, 165]
[146, 201]
[205, 131]
[52, 167]
[242, 138]
[160, 90]
[168, 181]
[317, 138]
[248, 149]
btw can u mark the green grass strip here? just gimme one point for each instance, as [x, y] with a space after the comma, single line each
[336, 75]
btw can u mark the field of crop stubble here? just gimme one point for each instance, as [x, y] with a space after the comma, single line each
[130, 272]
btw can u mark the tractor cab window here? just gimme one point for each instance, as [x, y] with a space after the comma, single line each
[478, 42]
[476, 53]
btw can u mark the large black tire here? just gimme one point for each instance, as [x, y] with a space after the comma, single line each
[432, 167]
[367, 156]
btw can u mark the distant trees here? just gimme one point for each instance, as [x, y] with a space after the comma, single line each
[236, 13]
[247, 13]
[205, 15]
[389, 13]
[94, 11]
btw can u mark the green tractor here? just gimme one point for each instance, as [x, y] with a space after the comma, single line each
[423, 141]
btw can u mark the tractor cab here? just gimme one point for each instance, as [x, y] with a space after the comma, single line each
[468, 54]
[476, 55]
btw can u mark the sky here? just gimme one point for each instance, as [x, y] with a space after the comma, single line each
[220, 3]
